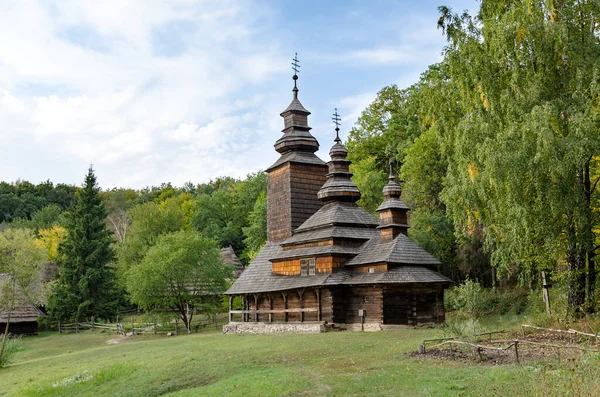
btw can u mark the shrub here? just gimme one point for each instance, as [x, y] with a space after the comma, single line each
[470, 297]
[13, 345]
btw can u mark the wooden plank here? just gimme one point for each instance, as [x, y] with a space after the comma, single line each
[276, 311]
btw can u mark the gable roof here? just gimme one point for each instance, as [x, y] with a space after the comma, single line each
[337, 213]
[402, 250]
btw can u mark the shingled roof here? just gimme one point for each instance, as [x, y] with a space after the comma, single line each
[401, 250]
[259, 278]
[399, 275]
[337, 213]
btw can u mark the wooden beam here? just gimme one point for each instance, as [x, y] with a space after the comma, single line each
[230, 307]
[256, 307]
[270, 307]
[285, 306]
[277, 311]
[318, 293]
[301, 297]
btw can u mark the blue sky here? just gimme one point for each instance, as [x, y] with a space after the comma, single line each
[183, 90]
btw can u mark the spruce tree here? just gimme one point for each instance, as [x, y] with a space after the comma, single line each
[86, 287]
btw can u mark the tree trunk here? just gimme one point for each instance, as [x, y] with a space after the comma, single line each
[576, 258]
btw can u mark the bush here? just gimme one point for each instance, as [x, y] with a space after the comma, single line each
[471, 298]
[12, 347]
[513, 300]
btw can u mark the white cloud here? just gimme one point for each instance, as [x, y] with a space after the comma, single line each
[82, 79]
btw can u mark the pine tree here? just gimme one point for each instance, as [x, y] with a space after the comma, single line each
[86, 287]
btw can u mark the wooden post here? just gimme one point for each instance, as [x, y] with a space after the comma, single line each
[176, 326]
[318, 293]
[230, 308]
[244, 308]
[132, 326]
[517, 351]
[59, 328]
[154, 327]
[93, 327]
[187, 317]
[256, 307]
[545, 288]
[285, 306]
[301, 296]
[270, 307]
[77, 326]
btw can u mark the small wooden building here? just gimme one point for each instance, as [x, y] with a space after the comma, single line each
[327, 260]
[229, 258]
[23, 318]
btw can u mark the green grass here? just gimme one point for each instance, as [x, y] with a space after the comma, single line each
[344, 363]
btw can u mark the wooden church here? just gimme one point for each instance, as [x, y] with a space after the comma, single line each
[328, 263]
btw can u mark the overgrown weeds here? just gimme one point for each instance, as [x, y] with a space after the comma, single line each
[12, 345]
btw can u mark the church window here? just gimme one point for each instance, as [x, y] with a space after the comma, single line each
[307, 267]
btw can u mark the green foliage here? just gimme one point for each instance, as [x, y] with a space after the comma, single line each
[11, 346]
[21, 199]
[21, 258]
[181, 271]
[224, 208]
[527, 76]
[470, 298]
[255, 234]
[149, 221]
[86, 287]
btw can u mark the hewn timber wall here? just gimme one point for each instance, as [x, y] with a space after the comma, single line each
[292, 197]
[348, 301]
[323, 264]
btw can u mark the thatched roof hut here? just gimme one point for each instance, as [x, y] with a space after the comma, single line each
[24, 317]
[229, 257]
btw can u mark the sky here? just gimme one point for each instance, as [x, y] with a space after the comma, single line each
[151, 91]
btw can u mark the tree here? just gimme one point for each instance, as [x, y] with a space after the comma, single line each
[21, 258]
[527, 75]
[255, 234]
[223, 212]
[149, 221]
[86, 287]
[51, 239]
[181, 272]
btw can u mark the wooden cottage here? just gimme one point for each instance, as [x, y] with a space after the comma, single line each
[24, 316]
[328, 261]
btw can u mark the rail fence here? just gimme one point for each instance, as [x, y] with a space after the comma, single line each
[136, 327]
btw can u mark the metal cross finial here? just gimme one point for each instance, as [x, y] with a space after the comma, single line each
[295, 68]
[295, 64]
[336, 120]
[391, 176]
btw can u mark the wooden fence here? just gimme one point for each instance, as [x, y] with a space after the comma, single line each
[136, 327]
[511, 344]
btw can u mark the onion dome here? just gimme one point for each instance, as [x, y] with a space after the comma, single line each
[339, 186]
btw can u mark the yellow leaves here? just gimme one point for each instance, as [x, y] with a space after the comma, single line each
[482, 96]
[521, 34]
[473, 171]
[473, 221]
[51, 239]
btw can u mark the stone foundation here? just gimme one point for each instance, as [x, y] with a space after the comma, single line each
[308, 328]
[274, 328]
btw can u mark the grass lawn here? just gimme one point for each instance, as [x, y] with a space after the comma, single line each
[342, 363]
